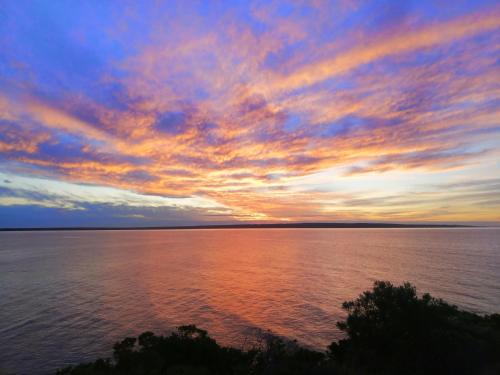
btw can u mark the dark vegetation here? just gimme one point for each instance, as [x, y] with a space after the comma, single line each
[388, 330]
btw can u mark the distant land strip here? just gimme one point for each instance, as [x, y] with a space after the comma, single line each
[251, 226]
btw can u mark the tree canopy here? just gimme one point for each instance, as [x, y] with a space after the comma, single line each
[388, 330]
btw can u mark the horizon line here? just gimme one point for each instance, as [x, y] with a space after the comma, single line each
[298, 225]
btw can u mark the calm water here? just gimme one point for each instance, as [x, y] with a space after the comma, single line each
[67, 296]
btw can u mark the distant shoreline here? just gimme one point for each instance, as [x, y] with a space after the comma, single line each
[250, 226]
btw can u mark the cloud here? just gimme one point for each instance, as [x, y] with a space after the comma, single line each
[234, 105]
[428, 159]
[69, 195]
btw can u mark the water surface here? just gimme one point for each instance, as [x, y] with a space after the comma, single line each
[67, 296]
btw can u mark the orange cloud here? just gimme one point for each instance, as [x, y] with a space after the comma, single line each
[210, 114]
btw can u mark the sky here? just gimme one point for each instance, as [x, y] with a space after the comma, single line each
[145, 113]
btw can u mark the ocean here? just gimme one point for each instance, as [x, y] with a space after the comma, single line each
[67, 296]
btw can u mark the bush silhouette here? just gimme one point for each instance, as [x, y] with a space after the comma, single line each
[391, 330]
[388, 330]
[190, 350]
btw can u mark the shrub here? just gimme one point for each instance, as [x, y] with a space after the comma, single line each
[388, 330]
[391, 330]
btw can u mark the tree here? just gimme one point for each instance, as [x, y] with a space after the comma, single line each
[391, 330]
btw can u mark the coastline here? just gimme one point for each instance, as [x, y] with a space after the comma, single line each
[253, 226]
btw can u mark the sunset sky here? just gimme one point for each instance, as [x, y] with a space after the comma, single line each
[190, 112]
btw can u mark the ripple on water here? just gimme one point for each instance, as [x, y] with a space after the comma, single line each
[67, 297]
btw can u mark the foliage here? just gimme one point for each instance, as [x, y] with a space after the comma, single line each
[191, 351]
[388, 330]
[391, 330]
